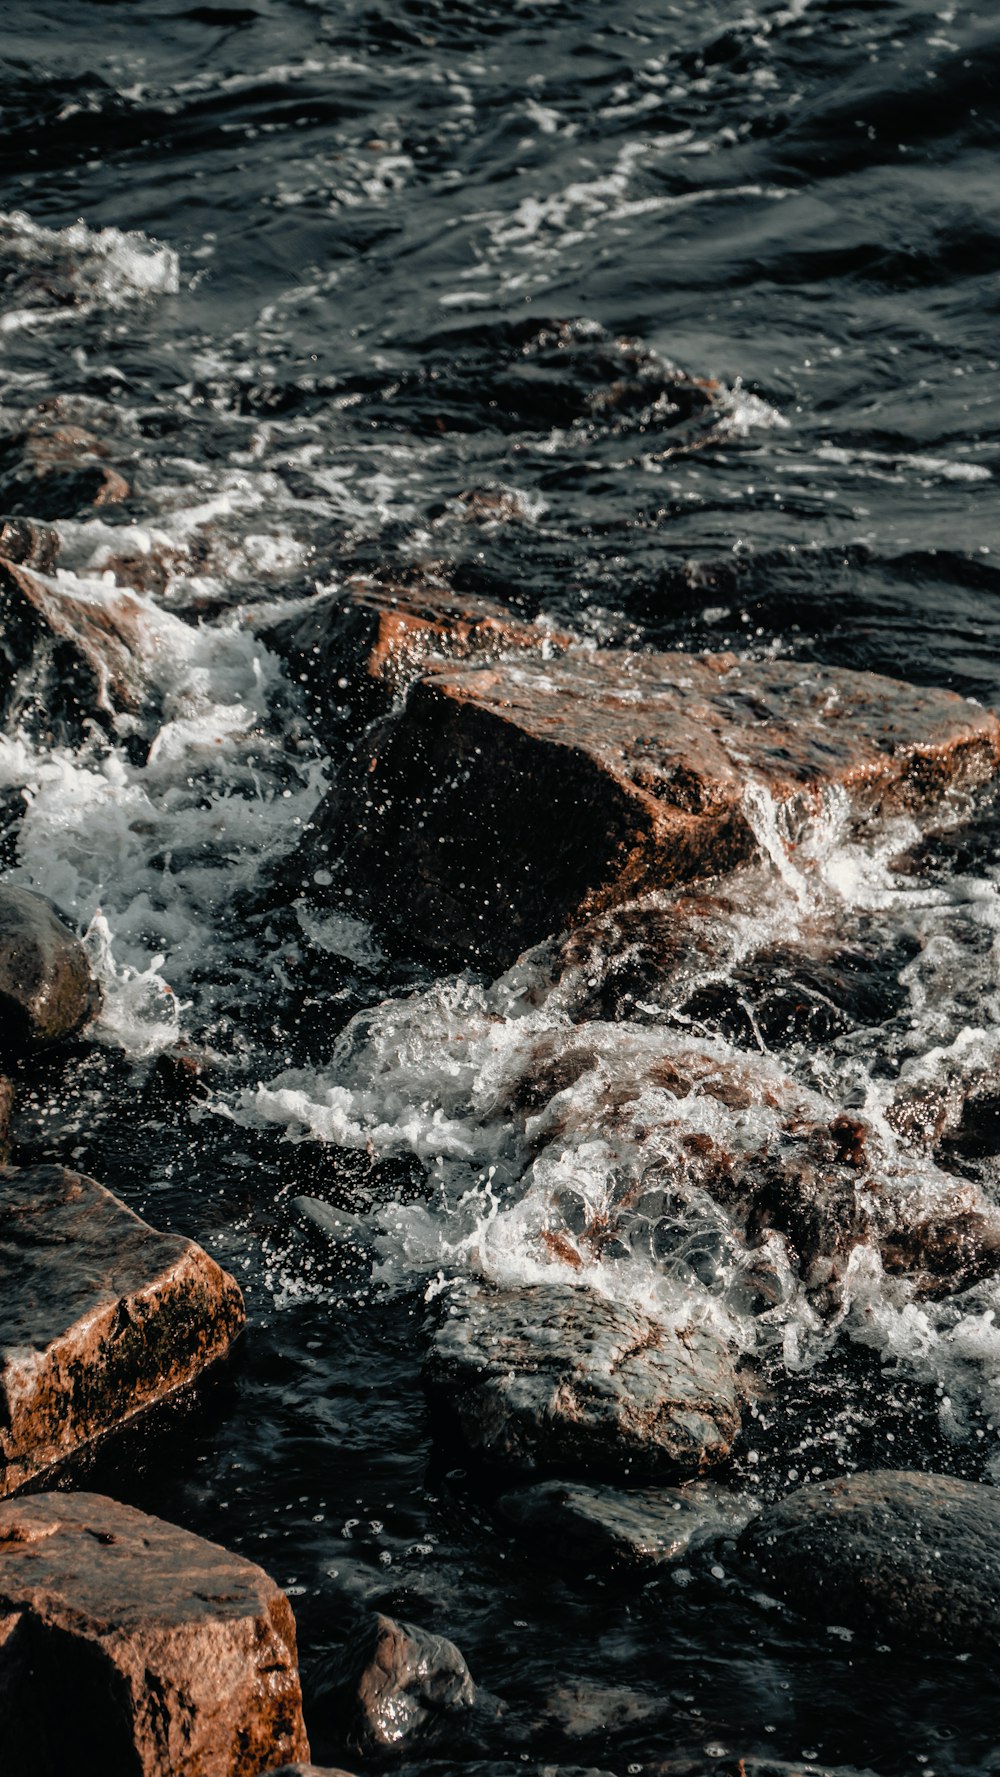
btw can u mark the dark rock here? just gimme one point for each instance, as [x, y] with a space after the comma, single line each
[100, 1316]
[6, 1111]
[356, 649]
[127, 1644]
[56, 472]
[28, 544]
[47, 991]
[399, 1684]
[504, 803]
[65, 660]
[895, 1555]
[548, 1373]
[603, 1527]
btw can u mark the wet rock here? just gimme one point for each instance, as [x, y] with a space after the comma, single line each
[603, 1527]
[900, 1556]
[65, 659]
[28, 544]
[504, 803]
[399, 1685]
[548, 1373]
[6, 1111]
[100, 1316]
[47, 991]
[127, 1644]
[57, 471]
[355, 650]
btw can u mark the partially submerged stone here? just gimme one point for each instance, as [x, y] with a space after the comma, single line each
[56, 471]
[399, 1683]
[356, 649]
[506, 802]
[899, 1556]
[100, 1316]
[67, 659]
[139, 1646]
[47, 991]
[551, 1374]
[604, 1527]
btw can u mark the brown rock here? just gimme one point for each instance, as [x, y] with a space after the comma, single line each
[66, 660]
[100, 1316]
[47, 991]
[29, 544]
[55, 472]
[127, 1644]
[379, 637]
[506, 802]
[400, 1684]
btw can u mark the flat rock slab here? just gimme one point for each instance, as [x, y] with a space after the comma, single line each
[506, 802]
[100, 1316]
[604, 1527]
[127, 1644]
[47, 991]
[551, 1374]
[897, 1556]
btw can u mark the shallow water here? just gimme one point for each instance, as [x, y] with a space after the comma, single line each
[314, 273]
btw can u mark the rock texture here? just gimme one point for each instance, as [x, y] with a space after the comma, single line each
[551, 1374]
[603, 1527]
[400, 1683]
[65, 659]
[47, 991]
[100, 1316]
[127, 1644]
[506, 802]
[355, 650]
[55, 472]
[899, 1556]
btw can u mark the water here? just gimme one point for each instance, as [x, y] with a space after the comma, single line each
[315, 275]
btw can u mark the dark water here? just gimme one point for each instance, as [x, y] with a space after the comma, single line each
[425, 251]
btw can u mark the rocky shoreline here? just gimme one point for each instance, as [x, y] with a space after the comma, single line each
[505, 787]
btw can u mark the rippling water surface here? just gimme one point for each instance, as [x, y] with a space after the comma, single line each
[402, 289]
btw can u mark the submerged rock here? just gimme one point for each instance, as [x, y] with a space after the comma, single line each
[56, 472]
[506, 802]
[67, 659]
[355, 650]
[122, 1633]
[548, 1373]
[604, 1527]
[100, 1316]
[399, 1684]
[895, 1555]
[47, 991]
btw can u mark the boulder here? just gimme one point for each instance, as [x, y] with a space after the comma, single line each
[606, 1528]
[100, 1316]
[67, 659]
[47, 991]
[898, 1556]
[356, 649]
[398, 1684]
[505, 802]
[127, 1644]
[56, 471]
[552, 1374]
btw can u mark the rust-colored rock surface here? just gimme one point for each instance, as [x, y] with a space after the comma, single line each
[506, 802]
[47, 991]
[100, 1316]
[129, 1645]
[378, 637]
[55, 472]
[65, 660]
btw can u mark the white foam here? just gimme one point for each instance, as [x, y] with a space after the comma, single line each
[101, 267]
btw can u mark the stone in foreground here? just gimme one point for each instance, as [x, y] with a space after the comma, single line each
[100, 1316]
[400, 1683]
[506, 802]
[604, 1527]
[902, 1557]
[127, 1644]
[551, 1374]
[47, 991]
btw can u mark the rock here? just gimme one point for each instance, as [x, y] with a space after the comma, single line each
[399, 1684]
[356, 649]
[59, 471]
[67, 659]
[506, 802]
[29, 544]
[6, 1111]
[121, 1632]
[47, 991]
[604, 1527]
[548, 1373]
[100, 1316]
[900, 1556]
